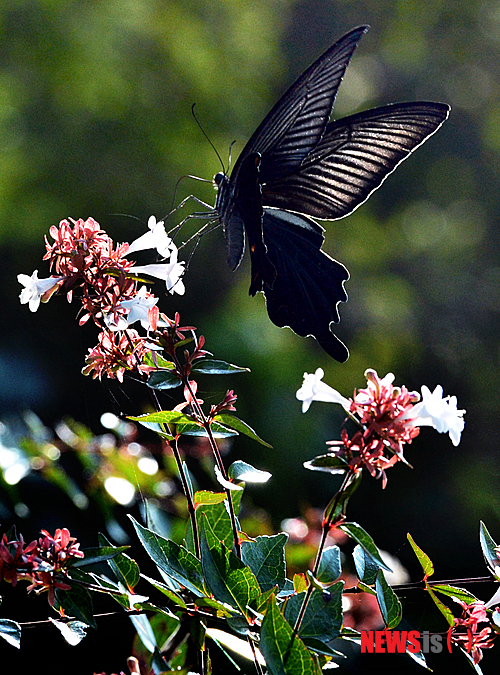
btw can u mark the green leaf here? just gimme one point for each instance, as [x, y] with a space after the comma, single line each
[223, 610]
[219, 518]
[125, 568]
[260, 604]
[77, 603]
[98, 554]
[299, 582]
[163, 417]
[423, 558]
[388, 602]
[366, 568]
[362, 537]
[489, 549]
[195, 429]
[454, 592]
[144, 631]
[164, 379]
[329, 463]
[154, 359]
[445, 611]
[203, 497]
[176, 561]
[215, 367]
[266, 558]
[323, 616]
[227, 577]
[11, 632]
[247, 473]
[330, 566]
[171, 595]
[242, 427]
[284, 653]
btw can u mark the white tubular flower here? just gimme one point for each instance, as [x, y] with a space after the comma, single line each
[313, 389]
[139, 307]
[440, 413]
[35, 288]
[156, 238]
[170, 272]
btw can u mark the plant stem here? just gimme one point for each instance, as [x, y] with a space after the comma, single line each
[327, 525]
[185, 483]
[218, 459]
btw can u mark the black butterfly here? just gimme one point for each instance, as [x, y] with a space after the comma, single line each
[297, 162]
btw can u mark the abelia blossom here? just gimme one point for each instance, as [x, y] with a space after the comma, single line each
[170, 273]
[440, 413]
[115, 353]
[36, 290]
[137, 309]
[156, 238]
[313, 389]
[41, 562]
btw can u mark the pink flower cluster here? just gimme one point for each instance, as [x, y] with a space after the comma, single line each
[466, 632]
[41, 562]
[85, 257]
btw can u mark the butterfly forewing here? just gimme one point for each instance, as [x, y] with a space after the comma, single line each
[354, 157]
[296, 123]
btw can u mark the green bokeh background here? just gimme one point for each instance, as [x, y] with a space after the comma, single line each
[95, 120]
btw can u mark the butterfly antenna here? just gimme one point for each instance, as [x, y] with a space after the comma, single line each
[206, 136]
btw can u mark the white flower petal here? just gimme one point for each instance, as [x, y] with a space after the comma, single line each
[313, 389]
[35, 288]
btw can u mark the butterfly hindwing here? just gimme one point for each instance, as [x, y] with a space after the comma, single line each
[308, 284]
[354, 157]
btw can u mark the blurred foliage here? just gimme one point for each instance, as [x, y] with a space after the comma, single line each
[95, 119]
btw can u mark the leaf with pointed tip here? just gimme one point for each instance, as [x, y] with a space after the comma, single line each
[242, 427]
[445, 611]
[454, 592]
[490, 550]
[389, 604]
[323, 616]
[362, 537]
[228, 578]
[285, 653]
[174, 560]
[423, 558]
[266, 558]
[215, 367]
[11, 632]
